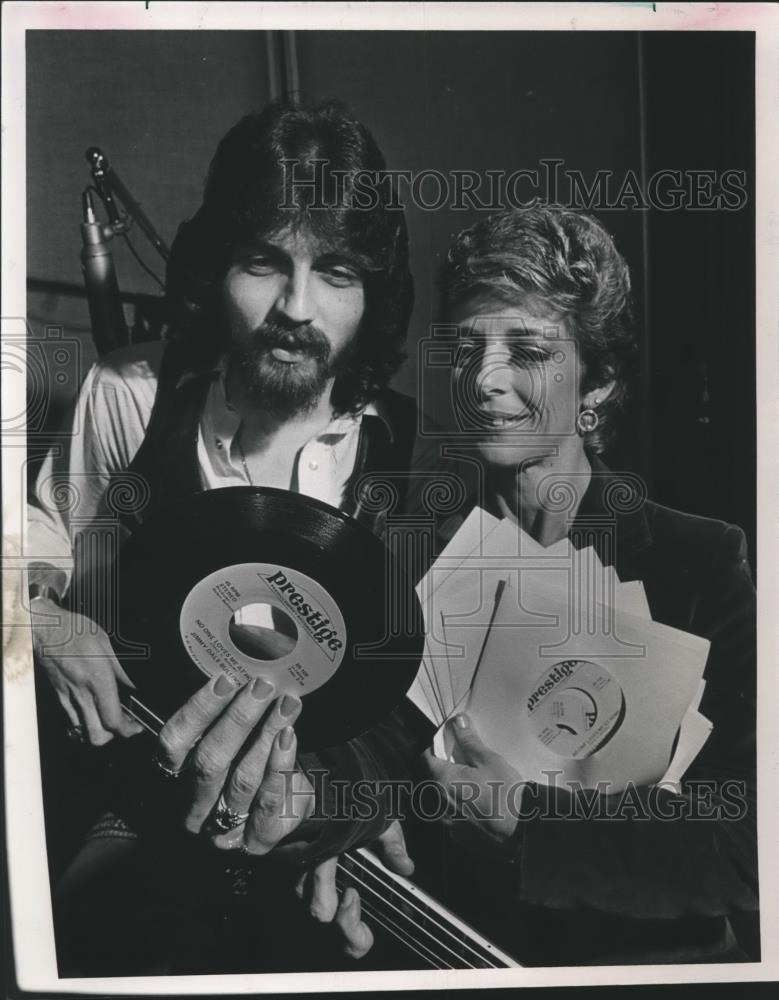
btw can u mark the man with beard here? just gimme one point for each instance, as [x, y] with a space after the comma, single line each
[289, 306]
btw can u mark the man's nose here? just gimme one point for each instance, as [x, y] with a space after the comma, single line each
[296, 297]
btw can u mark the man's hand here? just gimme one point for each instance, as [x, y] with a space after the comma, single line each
[483, 790]
[239, 749]
[79, 662]
[318, 889]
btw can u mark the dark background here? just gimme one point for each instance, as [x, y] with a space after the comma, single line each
[157, 103]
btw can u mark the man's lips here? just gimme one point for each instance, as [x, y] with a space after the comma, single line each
[291, 346]
[288, 356]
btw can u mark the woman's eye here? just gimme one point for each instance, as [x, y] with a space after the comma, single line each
[526, 357]
[521, 355]
[466, 352]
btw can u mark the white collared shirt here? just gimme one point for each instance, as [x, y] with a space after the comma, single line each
[107, 426]
[324, 463]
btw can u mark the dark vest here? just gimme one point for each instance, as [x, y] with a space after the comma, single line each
[167, 458]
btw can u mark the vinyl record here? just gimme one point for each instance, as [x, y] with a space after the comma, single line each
[576, 708]
[339, 623]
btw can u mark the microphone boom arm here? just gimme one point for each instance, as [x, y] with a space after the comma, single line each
[109, 186]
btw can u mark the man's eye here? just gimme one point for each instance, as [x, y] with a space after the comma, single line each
[340, 276]
[259, 265]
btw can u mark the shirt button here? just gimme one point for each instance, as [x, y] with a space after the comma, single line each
[313, 465]
[218, 443]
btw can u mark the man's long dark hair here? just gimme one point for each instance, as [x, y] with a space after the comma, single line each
[298, 168]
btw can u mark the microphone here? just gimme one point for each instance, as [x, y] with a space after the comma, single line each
[109, 186]
[109, 329]
[97, 160]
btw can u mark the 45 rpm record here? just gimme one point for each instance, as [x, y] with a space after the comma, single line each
[342, 626]
[577, 707]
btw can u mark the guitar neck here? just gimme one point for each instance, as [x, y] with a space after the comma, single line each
[414, 918]
[394, 903]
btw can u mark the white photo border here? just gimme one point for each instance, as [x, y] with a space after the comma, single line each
[33, 938]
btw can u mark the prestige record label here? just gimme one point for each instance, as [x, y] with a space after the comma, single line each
[575, 707]
[318, 627]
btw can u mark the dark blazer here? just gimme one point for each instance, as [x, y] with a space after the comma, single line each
[640, 888]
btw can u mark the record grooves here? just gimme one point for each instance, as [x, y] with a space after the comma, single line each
[186, 570]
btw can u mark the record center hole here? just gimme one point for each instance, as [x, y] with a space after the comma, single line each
[263, 632]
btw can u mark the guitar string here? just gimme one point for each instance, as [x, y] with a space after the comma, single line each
[409, 920]
[404, 938]
[461, 949]
[409, 940]
[423, 929]
[160, 722]
[128, 711]
[384, 883]
[403, 935]
[412, 923]
[425, 915]
[374, 915]
[413, 901]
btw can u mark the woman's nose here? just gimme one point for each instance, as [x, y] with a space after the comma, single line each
[496, 373]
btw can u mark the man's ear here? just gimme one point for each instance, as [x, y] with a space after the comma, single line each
[594, 398]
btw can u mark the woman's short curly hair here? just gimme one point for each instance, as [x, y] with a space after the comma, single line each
[291, 167]
[568, 261]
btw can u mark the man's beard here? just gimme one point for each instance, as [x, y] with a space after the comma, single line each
[289, 388]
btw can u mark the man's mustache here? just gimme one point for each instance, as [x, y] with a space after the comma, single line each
[305, 339]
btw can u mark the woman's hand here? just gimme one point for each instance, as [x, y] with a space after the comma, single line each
[318, 889]
[238, 747]
[79, 662]
[482, 788]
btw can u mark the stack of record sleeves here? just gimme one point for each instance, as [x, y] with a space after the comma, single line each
[557, 662]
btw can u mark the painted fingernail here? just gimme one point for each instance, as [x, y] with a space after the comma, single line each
[286, 738]
[223, 686]
[261, 689]
[289, 704]
[461, 721]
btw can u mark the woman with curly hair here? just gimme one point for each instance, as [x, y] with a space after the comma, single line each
[541, 301]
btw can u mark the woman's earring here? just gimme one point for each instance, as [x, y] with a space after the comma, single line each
[587, 420]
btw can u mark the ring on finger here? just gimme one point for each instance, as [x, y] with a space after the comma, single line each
[75, 734]
[225, 818]
[168, 772]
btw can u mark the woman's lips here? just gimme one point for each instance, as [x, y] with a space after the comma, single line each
[502, 421]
